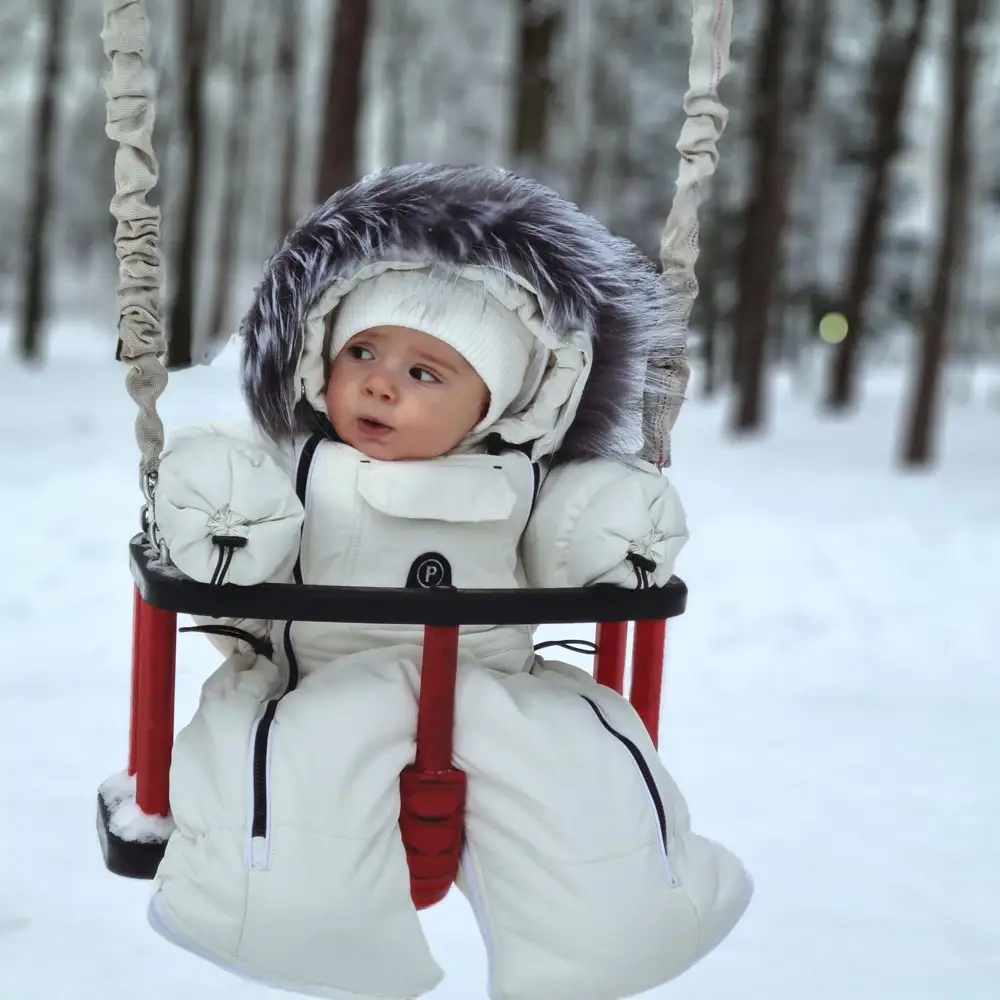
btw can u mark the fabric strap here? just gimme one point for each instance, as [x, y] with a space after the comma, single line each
[705, 120]
[130, 87]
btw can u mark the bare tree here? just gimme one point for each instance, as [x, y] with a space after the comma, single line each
[540, 24]
[765, 217]
[164, 56]
[288, 114]
[235, 171]
[604, 163]
[399, 36]
[339, 147]
[894, 56]
[918, 446]
[706, 305]
[799, 276]
[193, 39]
[32, 316]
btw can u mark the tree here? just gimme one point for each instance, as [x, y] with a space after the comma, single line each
[193, 40]
[540, 24]
[339, 147]
[235, 169]
[635, 58]
[765, 217]
[399, 34]
[918, 446]
[894, 56]
[799, 276]
[40, 204]
[288, 114]
[605, 160]
[706, 305]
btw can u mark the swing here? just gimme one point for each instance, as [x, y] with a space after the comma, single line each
[134, 806]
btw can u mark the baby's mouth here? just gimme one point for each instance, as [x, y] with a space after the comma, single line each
[371, 426]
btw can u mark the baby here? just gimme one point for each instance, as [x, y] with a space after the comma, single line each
[398, 393]
[444, 370]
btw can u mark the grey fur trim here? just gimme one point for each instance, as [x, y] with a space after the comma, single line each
[587, 278]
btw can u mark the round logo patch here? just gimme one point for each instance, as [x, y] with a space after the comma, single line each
[429, 571]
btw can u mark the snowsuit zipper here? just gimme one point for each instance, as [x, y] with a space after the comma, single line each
[259, 846]
[647, 776]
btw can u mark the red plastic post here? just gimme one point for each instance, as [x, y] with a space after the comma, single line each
[648, 645]
[611, 646]
[432, 790]
[157, 647]
[133, 722]
[436, 710]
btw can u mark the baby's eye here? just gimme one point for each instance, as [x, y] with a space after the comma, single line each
[423, 375]
[360, 353]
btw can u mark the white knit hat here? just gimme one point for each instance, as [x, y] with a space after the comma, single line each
[459, 312]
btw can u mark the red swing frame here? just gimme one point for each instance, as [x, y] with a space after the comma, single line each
[432, 790]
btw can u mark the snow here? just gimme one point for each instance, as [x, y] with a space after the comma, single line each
[830, 711]
[125, 818]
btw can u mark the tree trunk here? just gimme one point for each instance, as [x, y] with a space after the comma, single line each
[891, 68]
[540, 25]
[167, 63]
[235, 175]
[288, 113]
[801, 257]
[710, 334]
[918, 448]
[29, 334]
[339, 149]
[765, 217]
[400, 38]
[193, 31]
[706, 305]
[604, 167]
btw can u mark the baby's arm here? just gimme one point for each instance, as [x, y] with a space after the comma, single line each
[599, 521]
[225, 506]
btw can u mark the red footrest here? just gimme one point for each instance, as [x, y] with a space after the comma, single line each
[431, 823]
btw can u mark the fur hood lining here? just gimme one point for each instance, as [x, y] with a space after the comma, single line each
[591, 286]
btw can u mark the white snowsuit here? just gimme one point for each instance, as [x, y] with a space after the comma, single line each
[579, 860]
[287, 864]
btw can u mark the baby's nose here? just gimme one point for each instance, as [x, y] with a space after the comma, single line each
[381, 384]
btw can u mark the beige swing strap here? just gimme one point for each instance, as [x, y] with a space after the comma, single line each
[131, 89]
[705, 120]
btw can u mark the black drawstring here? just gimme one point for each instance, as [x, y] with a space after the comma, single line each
[573, 645]
[642, 568]
[260, 644]
[228, 544]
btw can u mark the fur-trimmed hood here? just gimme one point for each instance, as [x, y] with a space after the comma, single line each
[593, 289]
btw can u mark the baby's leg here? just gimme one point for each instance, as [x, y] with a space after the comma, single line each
[580, 863]
[287, 864]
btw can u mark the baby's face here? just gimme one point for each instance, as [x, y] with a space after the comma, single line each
[395, 393]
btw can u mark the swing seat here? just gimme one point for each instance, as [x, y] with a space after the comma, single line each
[134, 806]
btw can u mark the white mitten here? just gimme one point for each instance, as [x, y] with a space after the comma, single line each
[226, 509]
[598, 521]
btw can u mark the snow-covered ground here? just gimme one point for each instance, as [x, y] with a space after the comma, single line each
[831, 710]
